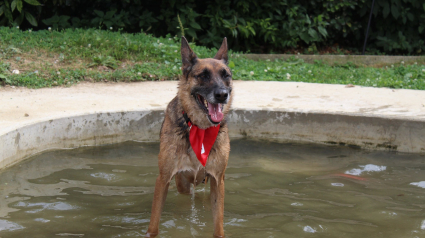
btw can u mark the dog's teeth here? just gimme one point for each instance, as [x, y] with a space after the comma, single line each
[206, 103]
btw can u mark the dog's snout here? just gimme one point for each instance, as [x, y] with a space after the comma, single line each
[221, 94]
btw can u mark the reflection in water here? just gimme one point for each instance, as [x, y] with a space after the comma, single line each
[420, 184]
[9, 226]
[109, 177]
[272, 190]
[41, 220]
[309, 229]
[41, 206]
[366, 168]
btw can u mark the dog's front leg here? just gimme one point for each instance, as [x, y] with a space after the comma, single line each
[217, 204]
[160, 194]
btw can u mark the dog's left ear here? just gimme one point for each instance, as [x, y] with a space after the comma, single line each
[222, 52]
[189, 57]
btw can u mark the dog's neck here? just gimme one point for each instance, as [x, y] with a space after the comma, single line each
[186, 118]
[201, 140]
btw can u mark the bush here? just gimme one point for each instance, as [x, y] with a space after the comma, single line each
[15, 11]
[398, 27]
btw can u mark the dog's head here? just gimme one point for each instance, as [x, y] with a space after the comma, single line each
[205, 89]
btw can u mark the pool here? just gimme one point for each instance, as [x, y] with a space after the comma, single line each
[273, 189]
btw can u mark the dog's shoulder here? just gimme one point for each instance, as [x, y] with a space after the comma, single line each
[172, 106]
[174, 118]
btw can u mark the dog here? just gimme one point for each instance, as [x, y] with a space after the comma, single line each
[194, 140]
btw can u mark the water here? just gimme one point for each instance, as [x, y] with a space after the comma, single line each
[272, 190]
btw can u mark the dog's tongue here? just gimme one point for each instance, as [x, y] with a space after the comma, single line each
[214, 110]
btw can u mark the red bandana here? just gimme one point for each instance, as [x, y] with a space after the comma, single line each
[202, 140]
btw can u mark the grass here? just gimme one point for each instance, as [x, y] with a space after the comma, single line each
[54, 58]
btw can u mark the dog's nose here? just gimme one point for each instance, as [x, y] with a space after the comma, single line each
[221, 94]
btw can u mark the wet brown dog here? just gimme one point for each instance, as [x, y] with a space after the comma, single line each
[204, 95]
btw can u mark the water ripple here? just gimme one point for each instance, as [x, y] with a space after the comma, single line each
[58, 206]
[6, 225]
[286, 193]
[366, 168]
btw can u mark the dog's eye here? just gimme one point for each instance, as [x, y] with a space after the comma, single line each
[204, 76]
[226, 76]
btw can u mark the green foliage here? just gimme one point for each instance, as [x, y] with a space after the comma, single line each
[69, 56]
[9, 51]
[107, 61]
[401, 26]
[58, 22]
[109, 19]
[4, 71]
[398, 26]
[8, 15]
[401, 76]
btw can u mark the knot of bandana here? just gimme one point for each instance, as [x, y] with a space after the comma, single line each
[201, 140]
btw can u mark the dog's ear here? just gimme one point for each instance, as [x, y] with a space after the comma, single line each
[222, 52]
[188, 56]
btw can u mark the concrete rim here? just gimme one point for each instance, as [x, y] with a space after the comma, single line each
[292, 117]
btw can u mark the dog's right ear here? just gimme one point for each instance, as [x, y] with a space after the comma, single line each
[188, 57]
[222, 52]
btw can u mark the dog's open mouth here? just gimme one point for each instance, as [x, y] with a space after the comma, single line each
[215, 111]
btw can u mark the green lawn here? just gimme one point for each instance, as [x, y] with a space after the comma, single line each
[52, 58]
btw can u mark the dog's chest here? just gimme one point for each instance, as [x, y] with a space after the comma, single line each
[188, 162]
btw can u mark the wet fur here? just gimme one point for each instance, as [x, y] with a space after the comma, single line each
[176, 157]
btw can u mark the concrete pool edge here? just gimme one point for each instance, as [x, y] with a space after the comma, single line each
[94, 129]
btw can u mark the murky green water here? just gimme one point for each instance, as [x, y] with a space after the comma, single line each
[272, 190]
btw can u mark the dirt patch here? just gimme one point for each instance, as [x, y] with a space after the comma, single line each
[43, 62]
